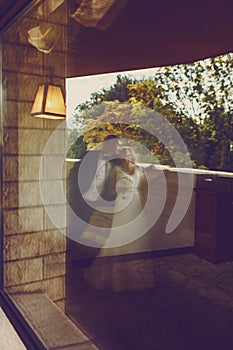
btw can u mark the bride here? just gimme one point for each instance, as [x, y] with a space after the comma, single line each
[128, 183]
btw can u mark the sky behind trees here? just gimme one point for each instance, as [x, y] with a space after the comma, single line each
[196, 98]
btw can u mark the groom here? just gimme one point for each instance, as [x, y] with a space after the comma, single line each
[95, 170]
[87, 183]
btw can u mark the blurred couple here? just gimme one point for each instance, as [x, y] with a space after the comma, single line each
[116, 191]
[108, 191]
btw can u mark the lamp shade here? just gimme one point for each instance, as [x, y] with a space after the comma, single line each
[49, 102]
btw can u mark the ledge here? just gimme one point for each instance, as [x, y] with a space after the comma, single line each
[54, 329]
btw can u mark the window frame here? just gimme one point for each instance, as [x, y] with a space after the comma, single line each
[11, 12]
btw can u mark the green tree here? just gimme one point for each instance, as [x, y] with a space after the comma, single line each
[202, 94]
[197, 99]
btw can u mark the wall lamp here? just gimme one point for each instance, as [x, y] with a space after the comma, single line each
[49, 102]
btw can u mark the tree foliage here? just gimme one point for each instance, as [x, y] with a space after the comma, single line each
[197, 99]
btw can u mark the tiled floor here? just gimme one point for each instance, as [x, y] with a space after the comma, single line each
[175, 302]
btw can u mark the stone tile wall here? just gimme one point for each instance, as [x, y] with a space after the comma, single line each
[34, 249]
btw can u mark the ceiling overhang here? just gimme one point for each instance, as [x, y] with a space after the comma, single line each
[144, 34]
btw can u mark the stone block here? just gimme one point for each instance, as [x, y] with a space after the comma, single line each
[44, 138]
[52, 193]
[55, 218]
[10, 86]
[23, 220]
[28, 141]
[27, 288]
[53, 141]
[33, 61]
[31, 82]
[53, 167]
[53, 124]
[55, 288]
[52, 242]
[10, 114]
[28, 22]
[23, 271]
[29, 194]
[22, 246]
[10, 168]
[14, 86]
[57, 60]
[58, 11]
[17, 32]
[10, 141]
[21, 58]
[25, 120]
[31, 219]
[10, 195]
[27, 276]
[36, 244]
[11, 224]
[29, 167]
[11, 35]
[54, 265]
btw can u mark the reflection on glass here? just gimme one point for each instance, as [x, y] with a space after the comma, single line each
[129, 185]
[136, 140]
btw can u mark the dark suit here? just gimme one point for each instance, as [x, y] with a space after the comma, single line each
[76, 187]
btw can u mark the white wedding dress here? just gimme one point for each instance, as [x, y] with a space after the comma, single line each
[128, 223]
